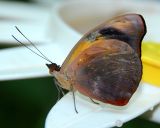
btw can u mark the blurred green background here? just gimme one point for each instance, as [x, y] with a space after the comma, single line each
[26, 103]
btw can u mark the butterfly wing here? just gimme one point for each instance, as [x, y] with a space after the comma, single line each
[105, 64]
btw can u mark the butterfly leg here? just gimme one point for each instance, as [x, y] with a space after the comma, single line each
[93, 101]
[59, 89]
[72, 90]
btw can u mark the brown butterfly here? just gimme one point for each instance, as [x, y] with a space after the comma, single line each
[105, 64]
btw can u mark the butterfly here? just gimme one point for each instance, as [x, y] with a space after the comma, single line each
[105, 64]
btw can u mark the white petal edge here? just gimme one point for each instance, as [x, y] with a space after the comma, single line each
[101, 116]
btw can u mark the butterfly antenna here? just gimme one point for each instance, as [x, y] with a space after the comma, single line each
[30, 49]
[32, 45]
